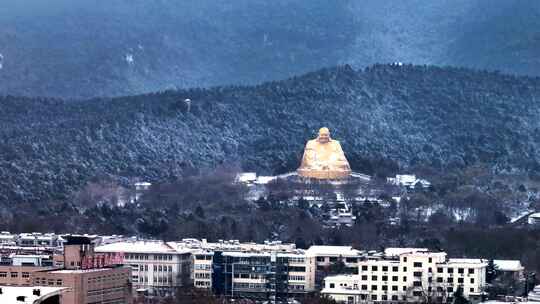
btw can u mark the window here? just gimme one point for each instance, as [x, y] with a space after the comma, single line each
[404, 288]
[394, 298]
[351, 260]
[450, 289]
[373, 287]
[395, 268]
[430, 260]
[364, 287]
[404, 259]
[471, 270]
[404, 279]
[364, 277]
[460, 280]
[364, 268]
[374, 297]
[14, 274]
[395, 278]
[417, 283]
[385, 278]
[439, 270]
[374, 278]
[460, 270]
[374, 268]
[384, 297]
[417, 273]
[320, 259]
[394, 288]
[450, 270]
[332, 285]
[417, 264]
[404, 269]
[472, 280]
[385, 268]
[25, 274]
[472, 289]
[450, 280]
[439, 280]
[384, 287]
[417, 293]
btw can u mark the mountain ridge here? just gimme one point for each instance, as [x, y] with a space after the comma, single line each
[126, 47]
[385, 116]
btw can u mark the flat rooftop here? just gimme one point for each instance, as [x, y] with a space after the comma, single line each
[158, 247]
[345, 251]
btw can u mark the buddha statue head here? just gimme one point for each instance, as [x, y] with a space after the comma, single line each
[324, 135]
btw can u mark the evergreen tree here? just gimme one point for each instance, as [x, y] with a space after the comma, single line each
[459, 298]
[491, 271]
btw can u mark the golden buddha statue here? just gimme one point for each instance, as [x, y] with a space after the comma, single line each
[324, 159]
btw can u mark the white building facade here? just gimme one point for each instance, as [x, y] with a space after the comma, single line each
[414, 277]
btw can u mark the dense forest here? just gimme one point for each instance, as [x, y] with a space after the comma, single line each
[386, 117]
[473, 133]
[83, 49]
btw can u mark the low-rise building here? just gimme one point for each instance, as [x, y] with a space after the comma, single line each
[510, 268]
[329, 259]
[412, 277]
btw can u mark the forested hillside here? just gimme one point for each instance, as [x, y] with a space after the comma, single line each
[85, 49]
[384, 116]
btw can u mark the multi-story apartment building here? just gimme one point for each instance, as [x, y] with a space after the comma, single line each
[416, 276]
[157, 267]
[326, 258]
[264, 275]
[273, 270]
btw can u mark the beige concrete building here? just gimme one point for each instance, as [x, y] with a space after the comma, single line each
[156, 267]
[412, 277]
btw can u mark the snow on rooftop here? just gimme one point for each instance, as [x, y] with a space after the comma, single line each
[466, 261]
[246, 177]
[10, 293]
[393, 252]
[332, 250]
[508, 265]
[79, 270]
[138, 247]
[263, 180]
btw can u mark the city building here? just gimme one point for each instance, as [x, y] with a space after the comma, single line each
[330, 259]
[510, 268]
[84, 276]
[414, 276]
[262, 276]
[157, 267]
